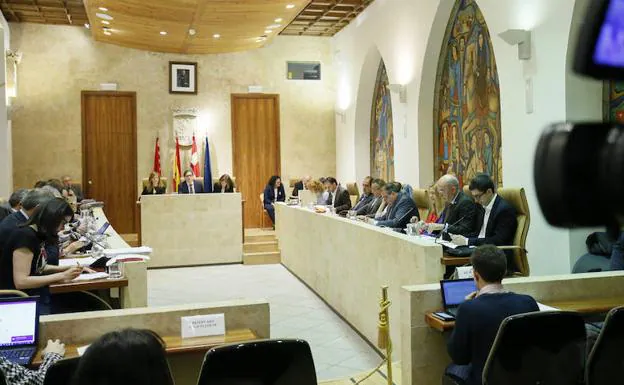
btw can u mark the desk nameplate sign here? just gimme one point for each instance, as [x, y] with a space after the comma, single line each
[203, 325]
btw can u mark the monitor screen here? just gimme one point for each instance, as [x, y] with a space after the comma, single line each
[609, 49]
[455, 292]
[18, 322]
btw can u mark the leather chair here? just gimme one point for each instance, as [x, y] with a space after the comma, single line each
[61, 372]
[538, 348]
[421, 198]
[516, 197]
[163, 180]
[269, 362]
[604, 364]
[354, 193]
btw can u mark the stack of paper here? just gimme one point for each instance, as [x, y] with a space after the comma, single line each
[125, 257]
[128, 250]
[90, 277]
[77, 261]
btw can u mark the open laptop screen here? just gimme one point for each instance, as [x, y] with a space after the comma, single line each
[454, 292]
[18, 322]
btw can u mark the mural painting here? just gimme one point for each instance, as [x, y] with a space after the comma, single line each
[467, 102]
[614, 102]
[381, 137]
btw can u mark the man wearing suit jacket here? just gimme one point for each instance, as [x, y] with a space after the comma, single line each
[370, 209]
[478, 319]
[367, 194]
[496, 220]
[301, 185]
[190, 185]
[460, 211]
[338, 196]
[401, 207]
[68, 185]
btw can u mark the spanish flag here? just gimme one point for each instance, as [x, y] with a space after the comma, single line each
[176, 167]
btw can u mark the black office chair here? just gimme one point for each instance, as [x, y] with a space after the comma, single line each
[61, 372]
[606, 360]
[270, 362]
[538, 348]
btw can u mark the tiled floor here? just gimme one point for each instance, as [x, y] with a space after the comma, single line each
[295, 310]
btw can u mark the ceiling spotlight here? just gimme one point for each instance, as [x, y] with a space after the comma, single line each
[87, 25]
[268, 31]
[278, 20]
[103, 9]
[216, 36]
[274, 26]
[163, 33]
[107, 33]
[105, 22]
[192, 32]
[104, 16]
[290, 6]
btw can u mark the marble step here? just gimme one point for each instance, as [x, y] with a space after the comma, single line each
[259, 238]
[262, 258]
[259, 247]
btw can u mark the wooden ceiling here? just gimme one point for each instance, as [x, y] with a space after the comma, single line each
[68, 12]
[168, 25]
[240, 24]
[325, 17]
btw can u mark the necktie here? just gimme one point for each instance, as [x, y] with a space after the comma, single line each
[330, 199]
[192, 188]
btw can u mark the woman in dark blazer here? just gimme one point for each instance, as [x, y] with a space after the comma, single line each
[154, 185]
[224, 185]
[273, 192]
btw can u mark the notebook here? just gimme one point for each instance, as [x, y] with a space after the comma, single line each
[19, 329]
[454, 293]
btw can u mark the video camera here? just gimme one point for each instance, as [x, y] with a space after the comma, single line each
[579, 167]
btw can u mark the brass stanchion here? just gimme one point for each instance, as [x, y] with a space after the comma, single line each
[383, 337]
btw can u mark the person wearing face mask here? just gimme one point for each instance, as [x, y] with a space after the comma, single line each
[479, 318]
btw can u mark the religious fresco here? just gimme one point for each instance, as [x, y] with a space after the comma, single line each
[467, 99]
[381, 138]
[614, 102]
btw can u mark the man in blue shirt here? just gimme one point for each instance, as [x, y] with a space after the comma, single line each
[479, 318]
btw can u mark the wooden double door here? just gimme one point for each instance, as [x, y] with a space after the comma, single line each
[256, 149]
[109, 155]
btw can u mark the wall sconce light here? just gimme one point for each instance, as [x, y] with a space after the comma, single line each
[521, 38]
[343, 116]
[401, 89]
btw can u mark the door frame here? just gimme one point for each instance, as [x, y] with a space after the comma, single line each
[276, 99]
[85, 184]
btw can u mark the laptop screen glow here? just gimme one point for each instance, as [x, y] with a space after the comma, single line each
[455, 292]
[17, 322]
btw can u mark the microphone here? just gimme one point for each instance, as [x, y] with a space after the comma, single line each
[444, 233]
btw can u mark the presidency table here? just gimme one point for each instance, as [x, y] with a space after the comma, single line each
[191, 230]
[346, 262]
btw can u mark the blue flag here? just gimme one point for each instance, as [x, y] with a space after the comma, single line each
[207, 169]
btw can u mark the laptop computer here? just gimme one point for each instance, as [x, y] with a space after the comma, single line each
[454, 293]
[19, 329]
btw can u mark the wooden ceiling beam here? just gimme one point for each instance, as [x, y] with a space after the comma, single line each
[11, 10]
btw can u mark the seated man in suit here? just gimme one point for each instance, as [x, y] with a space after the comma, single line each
[377, 203]
[367, 194]
[14, 204]
[74, 188]
[496, 221]
[190, 185]
[478, 319]
[400, 209]
[301, 185]
[338, 196]
[460, 211]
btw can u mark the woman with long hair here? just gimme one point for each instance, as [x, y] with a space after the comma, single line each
[154, 185]
[126, 357]
[24, 261]
[273, 192]
[224, 185]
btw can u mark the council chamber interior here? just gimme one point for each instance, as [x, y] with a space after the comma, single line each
[301, 192]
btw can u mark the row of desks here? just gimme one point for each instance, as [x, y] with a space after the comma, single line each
[586, 306]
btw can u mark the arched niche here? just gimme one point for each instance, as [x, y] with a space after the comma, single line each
[466, 107]
[381, 128]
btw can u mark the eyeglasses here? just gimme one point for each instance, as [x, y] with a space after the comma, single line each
[477, 196]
